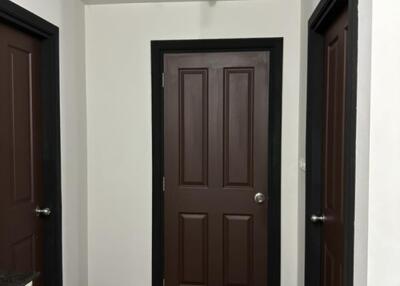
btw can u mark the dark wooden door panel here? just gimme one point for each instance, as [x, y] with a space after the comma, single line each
[193, 117]
[216, 160]
[193, 249]
[20, 152]
[238, 127]
[20, 82]
[238, 250]
[334, 179]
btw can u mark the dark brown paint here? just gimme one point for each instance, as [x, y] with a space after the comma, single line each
[334, 160]
[216, 160]
[21, 185]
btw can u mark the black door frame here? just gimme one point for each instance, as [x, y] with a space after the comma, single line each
[323, 15]
[275, 47]
[21, 19]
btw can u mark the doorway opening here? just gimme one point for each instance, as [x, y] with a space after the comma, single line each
[230, 49]
[36, 51]
[331, 139]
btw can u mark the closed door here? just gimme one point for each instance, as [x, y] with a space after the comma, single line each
[216, 168]
[21, 230]
[333, 177]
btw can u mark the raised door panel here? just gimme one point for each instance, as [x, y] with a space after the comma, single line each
[193, 249]
[20, 84]
[238, 127]
[23, 254]
[331, 106]
[332, 268]
[335, 124]
[193, 131]
[238, 250]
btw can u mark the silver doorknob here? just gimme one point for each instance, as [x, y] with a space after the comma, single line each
[42, 212]
[318, 219]
[259, 198]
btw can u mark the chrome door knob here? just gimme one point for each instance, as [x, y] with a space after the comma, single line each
[318, 219]
[42, 212]
[259, 198]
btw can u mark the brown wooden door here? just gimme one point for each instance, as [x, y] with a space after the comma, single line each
[216, 148]
[21, 231]
[334, 179]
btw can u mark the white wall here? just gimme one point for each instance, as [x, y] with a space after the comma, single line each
[384, 183]
[362, 144]
[119, 121]
[69, 16]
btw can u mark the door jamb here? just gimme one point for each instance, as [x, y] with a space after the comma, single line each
[15, 16]
[325, 12]
[275, 47]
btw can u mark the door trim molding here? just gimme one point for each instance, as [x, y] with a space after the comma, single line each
[275, 47]
[15, 16]
[325, 12]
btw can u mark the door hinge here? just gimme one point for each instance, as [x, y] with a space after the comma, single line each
[162, 79]
[302, 164]
[163, 184]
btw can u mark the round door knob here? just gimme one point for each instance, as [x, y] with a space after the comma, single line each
[318, 219]
[259, 198]
[42, 212]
